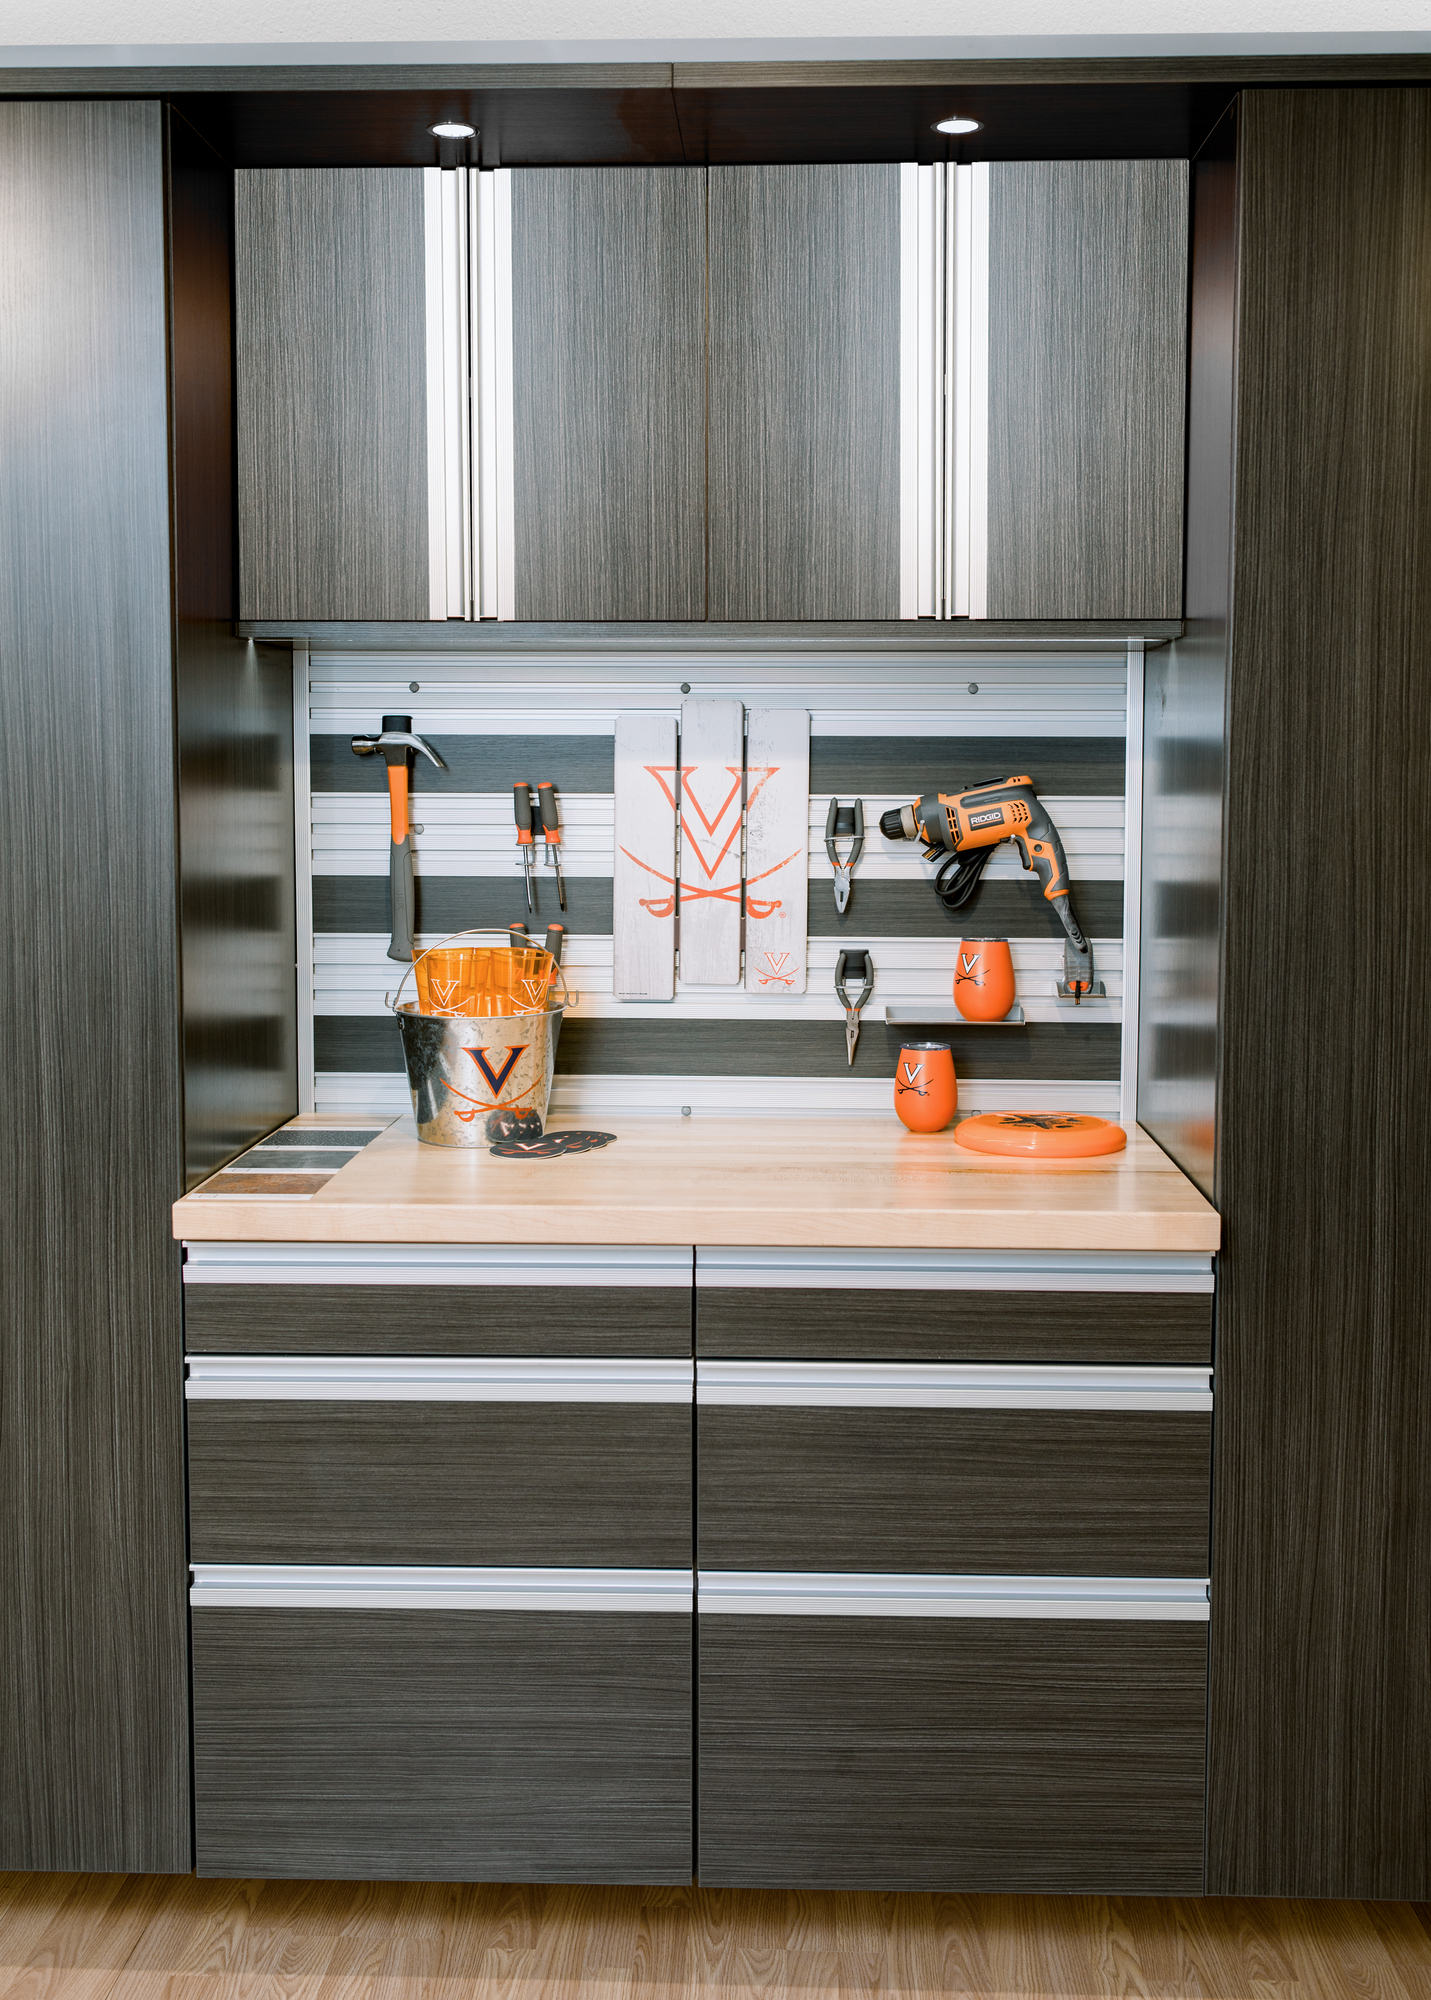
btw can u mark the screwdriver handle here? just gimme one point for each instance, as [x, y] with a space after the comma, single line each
[546, 802]
[556, 937]
[518, 935]
[522, 812]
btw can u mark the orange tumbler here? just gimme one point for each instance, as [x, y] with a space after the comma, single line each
[984, 979]
[925, 1093]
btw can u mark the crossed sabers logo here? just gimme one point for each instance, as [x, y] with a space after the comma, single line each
[908, 1079]
[692, 891]
[495, 1079]
[776, 962]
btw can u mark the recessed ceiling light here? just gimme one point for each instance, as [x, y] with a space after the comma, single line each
[958, 125]
[453, 131]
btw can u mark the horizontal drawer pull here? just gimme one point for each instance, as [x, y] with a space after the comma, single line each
[848, 1594]
[955, 1270]
[948, 1386]
[347, 1587]
[435, 1264]
[344, 1378]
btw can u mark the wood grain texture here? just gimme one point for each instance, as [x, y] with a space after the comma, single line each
[954, 1492]
[93, 1726]
[1087, 387]
[332, 423]
[1184, 727]
[1055, 1756]
[443, 1745]
[531, 1484]
[804, 392]
[95, 1937]
[608, 392]
[1321, 1687]
[820, 1323]
[855, 1182]
[438, 1319]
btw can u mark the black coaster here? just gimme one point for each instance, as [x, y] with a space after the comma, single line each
[552, 1145]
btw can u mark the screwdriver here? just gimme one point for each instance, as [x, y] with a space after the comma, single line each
[522, 811]
[555, 939]
[551, 833]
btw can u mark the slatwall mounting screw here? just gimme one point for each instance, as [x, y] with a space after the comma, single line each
[973, 687]
[685, 687]
[412, 688]
[685, 1110]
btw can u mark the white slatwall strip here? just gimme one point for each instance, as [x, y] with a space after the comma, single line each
[352, 972]
[579, 1098]
[470, 833]
[1070, 692]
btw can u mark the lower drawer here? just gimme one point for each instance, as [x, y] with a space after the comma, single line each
[335, 1477]
[1053, 1755]
[442, 1745]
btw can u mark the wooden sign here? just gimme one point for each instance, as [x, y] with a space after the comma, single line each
[643, 872]
[777, 832]
[712, 776]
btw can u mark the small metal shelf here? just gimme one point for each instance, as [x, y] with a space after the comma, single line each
[948, 1017]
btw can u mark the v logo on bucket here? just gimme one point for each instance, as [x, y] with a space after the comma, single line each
[497, 1077]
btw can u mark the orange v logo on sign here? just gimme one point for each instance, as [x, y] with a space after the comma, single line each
[496, 1078]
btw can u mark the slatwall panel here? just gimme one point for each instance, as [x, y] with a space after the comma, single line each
[882, 728]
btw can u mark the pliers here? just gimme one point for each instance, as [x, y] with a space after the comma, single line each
[853, 965]
[844, 823]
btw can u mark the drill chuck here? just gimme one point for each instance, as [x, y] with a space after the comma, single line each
[892, 824]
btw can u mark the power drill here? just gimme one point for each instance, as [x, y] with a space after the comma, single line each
[968, 826]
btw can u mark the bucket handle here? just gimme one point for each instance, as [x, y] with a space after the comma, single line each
[390, 1000]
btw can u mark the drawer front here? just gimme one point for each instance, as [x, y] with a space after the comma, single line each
[322, 1481]
[1076, 1492]
[1058, 1755]
[438, 1319]
[817, 1323]
[443, 1745]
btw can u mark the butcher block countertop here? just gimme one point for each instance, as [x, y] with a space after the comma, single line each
[850, 1183]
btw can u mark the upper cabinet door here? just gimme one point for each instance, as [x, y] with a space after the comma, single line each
[608, 393]
[1087, 365]
[332, 410]
[804, 479]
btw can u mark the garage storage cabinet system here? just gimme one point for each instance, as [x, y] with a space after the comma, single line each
[771, 1494]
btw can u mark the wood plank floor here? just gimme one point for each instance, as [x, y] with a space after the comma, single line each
[114, 1937]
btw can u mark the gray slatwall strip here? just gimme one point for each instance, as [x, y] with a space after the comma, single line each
[1059, 766]
[353, 903]
[1053, 1051]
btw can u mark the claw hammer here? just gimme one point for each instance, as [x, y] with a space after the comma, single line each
[397, 744]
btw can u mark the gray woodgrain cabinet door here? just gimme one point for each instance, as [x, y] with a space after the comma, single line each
[804, 392]
[436, 1745]
[1087, 388]
[331, 365]
[1060, 1755]
[608, 388]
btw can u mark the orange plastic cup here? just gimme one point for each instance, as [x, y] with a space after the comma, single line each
[452, 979]
[984, 979]
[925, 1092]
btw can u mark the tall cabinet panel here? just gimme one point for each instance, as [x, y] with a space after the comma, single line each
[94, 1766]
[608, 387]
[804, 392]
[1087, 276]
[332, 414]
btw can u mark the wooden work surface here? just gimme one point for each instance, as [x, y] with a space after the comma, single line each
[850, 1183]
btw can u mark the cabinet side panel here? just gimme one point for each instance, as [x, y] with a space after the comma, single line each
[608, 389]
[804, 392]
[1087, 388]
[1320, 1778]
[332, 423]
[93, 1703]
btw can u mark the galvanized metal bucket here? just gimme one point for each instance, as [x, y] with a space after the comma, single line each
[478, 1079]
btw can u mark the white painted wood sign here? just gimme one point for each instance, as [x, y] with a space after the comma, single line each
[777, 812]
[643, 871]
[712, 781]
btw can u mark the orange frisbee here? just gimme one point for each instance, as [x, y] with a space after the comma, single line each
[1040, 1135]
